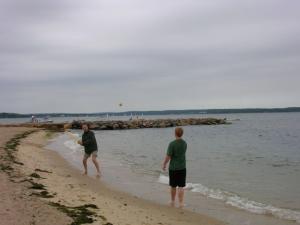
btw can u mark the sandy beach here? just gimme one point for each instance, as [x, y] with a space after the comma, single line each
[17, 206]
[56, 182]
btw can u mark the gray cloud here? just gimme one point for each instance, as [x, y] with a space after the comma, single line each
[76, 56]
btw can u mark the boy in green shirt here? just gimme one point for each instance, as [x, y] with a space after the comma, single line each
[177, 167]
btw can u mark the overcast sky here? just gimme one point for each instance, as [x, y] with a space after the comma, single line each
[88, 56]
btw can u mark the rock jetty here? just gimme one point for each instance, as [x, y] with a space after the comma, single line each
[122, 124]
[139, 124]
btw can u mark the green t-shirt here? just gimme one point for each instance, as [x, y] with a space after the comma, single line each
[176, 151]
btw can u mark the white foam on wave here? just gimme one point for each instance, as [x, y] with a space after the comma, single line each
[76, 135]
[73, 135]
[239, 202]
[163, 179]
[71, 144]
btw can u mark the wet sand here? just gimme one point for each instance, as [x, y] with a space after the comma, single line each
[67, 187]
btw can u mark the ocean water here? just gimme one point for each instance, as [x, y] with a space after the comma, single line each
[252, 164]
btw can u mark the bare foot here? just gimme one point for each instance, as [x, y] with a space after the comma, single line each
[84, 173]
[181, 205]
[98, 175]
[172, 204]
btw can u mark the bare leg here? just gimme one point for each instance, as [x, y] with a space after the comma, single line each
[84, 161]
[96, 165]
[173, 195]
[180, 196]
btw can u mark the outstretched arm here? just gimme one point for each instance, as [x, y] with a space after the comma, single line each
[167, 159]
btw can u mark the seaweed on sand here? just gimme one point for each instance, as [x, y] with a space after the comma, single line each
[35, 175]
[11, 146]
[43, 171]
[37, 186]
[79, 214]
[43, 194]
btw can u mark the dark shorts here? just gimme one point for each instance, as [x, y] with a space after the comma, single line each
[177, 178]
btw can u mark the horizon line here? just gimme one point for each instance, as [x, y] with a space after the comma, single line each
[163, 110]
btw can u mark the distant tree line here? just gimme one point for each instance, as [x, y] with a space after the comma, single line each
[164, 112]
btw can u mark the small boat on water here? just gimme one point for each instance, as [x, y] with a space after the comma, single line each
[46, 120]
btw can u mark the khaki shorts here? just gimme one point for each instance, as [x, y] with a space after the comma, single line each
[94, 154]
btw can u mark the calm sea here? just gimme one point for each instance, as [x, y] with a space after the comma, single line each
[252, 164]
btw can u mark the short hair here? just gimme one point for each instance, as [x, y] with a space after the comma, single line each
[178, 131]
[87, 124]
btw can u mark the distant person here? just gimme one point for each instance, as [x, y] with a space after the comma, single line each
[177, 167]
[90, 148]
[34, 119]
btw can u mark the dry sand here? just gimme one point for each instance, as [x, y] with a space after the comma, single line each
[17, 207]
[70, 188]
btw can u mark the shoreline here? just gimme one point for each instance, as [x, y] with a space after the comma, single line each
[67, 187]
[57, 181]
[154, 191]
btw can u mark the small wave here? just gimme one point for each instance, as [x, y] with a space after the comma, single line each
[73, 135]
[163, 179]
[71, 144]
[239, 202]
